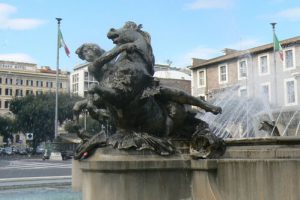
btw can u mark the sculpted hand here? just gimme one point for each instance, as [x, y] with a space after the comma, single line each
[130, 47]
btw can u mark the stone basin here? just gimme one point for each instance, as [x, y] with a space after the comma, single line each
[251, 169]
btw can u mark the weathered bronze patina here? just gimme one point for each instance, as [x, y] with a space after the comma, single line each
[144, 114]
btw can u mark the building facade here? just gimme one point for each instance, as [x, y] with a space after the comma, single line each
[178, 78]
[18, 79]
[256, 71]
[81, 80]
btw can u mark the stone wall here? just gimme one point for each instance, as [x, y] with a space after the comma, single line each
[251, 169]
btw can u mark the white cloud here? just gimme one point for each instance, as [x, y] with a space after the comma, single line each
[23, 24]
[199, 52]
[209, 53]
[18, 57]
[244, 44]
[6, 22]
[209, 4]
[6, 9]
[292, 14]
[202, 52]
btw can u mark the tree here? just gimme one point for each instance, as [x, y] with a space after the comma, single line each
[35, 114]
[7, 127]
[92, 126]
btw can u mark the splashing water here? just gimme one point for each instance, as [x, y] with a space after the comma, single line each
[241, 116]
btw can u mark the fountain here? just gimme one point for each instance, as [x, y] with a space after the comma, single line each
[242, 117]
[160, 149]
[245, 117]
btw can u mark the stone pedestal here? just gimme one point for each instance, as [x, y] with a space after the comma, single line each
[76, 176]
[119, 175]
[251, 169]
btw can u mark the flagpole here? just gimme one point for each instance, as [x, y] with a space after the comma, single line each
[56, 91]
[274, 61]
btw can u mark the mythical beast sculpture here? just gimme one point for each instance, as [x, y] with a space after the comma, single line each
[145, 114]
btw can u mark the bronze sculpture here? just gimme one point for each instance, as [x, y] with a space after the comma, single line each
[144, 113]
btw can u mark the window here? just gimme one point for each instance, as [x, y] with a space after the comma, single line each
[75, 88]
[223, 74]
[29, 82]
[0, 91]
[243, 92]
[86, 76]
[0, 104]
[8, 81]
[201, 78]
[49, 84]
[0, 80]
[19, 92]
[39, 83]
[290, 91]
[289, 59]
[19, 81]
[242, 71]
[75, 78]
[8, 92]
[265, 91]
[28, 92]
[60, 85]
[6, 104]
[263, 63]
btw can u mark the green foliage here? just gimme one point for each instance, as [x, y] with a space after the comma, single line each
[36, 114]
[92, 126]
[71, 127]
[7, 127]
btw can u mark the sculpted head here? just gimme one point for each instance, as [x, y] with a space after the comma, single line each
[130, 32]
[89, 52]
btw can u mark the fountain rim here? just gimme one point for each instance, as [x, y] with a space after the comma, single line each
[275, 140]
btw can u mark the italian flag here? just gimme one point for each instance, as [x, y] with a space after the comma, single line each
[277, 46]
[61, 43]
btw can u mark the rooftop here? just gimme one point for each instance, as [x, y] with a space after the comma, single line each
[255, 50]
[172, 74]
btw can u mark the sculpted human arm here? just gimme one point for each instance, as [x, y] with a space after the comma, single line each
[110, 55]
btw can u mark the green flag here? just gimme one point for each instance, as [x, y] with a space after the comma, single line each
[277, 46]
[62, 43]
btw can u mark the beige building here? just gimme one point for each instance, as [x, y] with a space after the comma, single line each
[254, 71]
[19, 79]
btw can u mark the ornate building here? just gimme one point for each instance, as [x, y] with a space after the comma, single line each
[19, 79]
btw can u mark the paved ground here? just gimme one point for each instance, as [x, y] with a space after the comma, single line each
[34, 168]
[34, 173]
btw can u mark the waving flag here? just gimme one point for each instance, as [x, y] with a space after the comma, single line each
[277, 46]
[61, 43]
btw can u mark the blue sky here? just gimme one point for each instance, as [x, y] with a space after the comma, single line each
[180, 29]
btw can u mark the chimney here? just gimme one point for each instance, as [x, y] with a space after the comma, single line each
[197, 61]
[228, 51]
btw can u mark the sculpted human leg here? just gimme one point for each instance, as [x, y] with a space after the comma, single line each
[184, 98]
